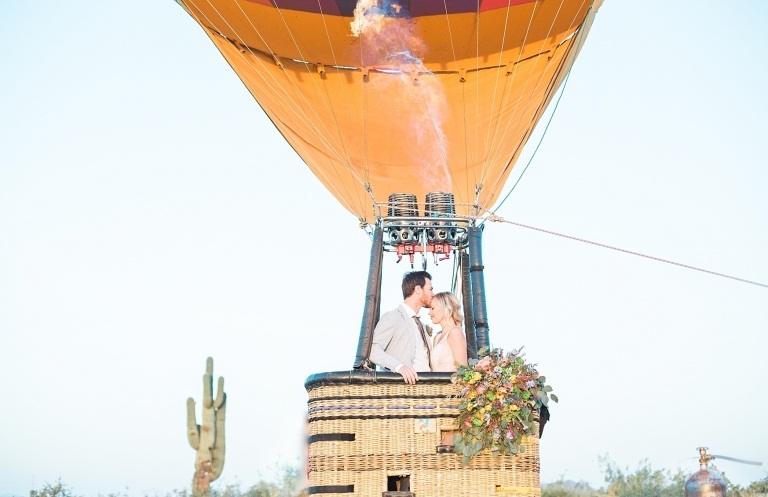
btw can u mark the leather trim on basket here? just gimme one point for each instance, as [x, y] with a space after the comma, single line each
[331, 489]
[393, 416]
[366, 397]
[332, 437]
[358, 377]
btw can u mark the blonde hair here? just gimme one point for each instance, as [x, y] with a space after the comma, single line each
[451, 305]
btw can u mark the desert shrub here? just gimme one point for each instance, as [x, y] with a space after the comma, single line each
[644, 482]
[562, 488]
[57, 489]
[757, 488]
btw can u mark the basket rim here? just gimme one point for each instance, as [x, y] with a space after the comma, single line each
[364, 377]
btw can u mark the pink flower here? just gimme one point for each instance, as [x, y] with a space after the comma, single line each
[481, 389]
[483, 364]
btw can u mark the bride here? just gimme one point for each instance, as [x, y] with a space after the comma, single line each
[450, 347]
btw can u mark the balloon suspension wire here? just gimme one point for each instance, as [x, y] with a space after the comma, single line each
[537, 113]
[349, 111]
[490, 137]
[476, 120]
[509, 83]
[493, 217]
[343, 156]
[535, 150]
[521, 108]
[579, 43]
[300, 111]
[457, 69]
[493, 148]
[285, 93]
[366, 163]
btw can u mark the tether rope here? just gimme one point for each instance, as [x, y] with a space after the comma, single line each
[630, 252]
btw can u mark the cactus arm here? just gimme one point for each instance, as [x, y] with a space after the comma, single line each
[208, 383]
[217, 453]
[220, 395]
[193, 429]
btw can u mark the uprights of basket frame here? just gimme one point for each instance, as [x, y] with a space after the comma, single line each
[440, 232]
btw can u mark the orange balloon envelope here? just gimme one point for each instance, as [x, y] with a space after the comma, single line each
[417, 96]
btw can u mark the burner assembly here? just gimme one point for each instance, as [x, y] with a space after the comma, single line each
[403, 205]
[437, 231]
[441, 205]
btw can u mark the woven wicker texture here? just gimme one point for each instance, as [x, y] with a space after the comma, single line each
[364, 433]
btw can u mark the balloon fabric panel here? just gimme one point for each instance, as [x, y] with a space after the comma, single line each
[412, 104]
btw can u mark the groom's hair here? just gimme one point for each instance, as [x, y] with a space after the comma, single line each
[412, 280]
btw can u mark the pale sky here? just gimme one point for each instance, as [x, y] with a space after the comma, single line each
[151, 216]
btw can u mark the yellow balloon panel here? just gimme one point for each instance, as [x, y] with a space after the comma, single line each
[449, 112]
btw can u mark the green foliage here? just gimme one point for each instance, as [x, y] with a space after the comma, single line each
[759, 487]
[563, 488]
[755, 489]
[644, 482]
[57, 489]
[288, 484]
[500, 397]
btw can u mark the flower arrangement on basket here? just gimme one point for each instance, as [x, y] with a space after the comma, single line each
[500, 400]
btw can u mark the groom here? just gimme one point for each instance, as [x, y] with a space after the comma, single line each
[399, 341]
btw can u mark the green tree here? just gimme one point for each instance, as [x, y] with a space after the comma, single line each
[644, 482]
[757, 488]
[286, 484]
[562, 488]
[57, 489]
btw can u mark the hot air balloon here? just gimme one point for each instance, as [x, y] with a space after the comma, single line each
[389, 103]
[415, 96]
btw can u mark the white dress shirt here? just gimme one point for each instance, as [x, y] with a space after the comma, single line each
[420, 358]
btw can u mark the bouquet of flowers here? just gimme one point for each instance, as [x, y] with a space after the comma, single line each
[500, 400]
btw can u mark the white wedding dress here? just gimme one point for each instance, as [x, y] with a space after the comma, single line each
[441, 355]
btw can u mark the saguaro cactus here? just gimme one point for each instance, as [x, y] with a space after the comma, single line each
[207, 438]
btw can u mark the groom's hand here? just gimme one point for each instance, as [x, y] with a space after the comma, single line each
[409, 374]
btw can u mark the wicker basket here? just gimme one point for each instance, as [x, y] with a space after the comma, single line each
[369, 431]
